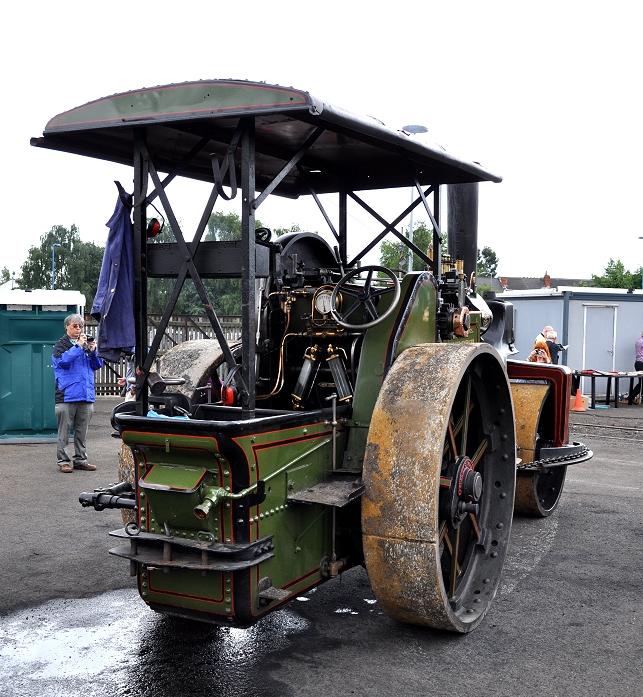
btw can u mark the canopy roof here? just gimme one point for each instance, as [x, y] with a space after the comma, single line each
[353, 153]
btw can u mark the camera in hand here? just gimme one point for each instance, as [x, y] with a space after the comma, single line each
[90, 339]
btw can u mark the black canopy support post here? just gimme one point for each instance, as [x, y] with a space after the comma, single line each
[437, 235]
[181, 165]
[194, 245]
[288, 167]
[248, 289]
[189, 261]
[343, 226]
[161, 327]
[141, 166]
[313, 193]
[390, 227]
[436, 266]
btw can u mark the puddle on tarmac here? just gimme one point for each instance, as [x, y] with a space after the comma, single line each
[114, 645]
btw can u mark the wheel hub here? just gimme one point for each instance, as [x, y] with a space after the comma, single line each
[463, 494]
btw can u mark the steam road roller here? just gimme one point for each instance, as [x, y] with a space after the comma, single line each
[365, 415]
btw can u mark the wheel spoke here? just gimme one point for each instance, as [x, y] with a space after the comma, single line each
[454, 447]
[352, 292]
[370, 308]
[455, 569]
[465, 416]
[474, 525]
[350, 311]
[381, 291]
[443, 532]
[459, 424]
[477, 456]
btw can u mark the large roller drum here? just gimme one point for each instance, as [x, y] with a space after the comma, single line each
[440, 477]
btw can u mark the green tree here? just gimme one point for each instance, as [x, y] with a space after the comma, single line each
[224, 227]
[5, 275]
[279, 231]
[77, 263]
[394, 254]
[487, 264]
[617, 276]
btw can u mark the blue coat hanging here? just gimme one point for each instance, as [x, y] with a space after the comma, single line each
[114, 301]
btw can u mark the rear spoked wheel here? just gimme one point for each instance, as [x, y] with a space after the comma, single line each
[538, 493]
[440, 480]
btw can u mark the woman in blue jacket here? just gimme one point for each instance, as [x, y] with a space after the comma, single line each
[74, 361]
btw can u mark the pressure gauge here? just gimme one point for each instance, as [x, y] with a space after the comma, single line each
[322, 301]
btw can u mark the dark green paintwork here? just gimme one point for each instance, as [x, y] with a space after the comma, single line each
[419, 329]
[286, 460]
[303, 530]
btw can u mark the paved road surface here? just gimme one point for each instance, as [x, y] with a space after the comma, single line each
[567, 621]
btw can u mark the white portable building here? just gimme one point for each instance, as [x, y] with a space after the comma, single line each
[599, 325]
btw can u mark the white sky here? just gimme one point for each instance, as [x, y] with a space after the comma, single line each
[546, 94]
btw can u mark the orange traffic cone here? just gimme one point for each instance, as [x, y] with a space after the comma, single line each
[578, 402]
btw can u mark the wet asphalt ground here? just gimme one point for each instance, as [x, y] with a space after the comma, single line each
[567, 620]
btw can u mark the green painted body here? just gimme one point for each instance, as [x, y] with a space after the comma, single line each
[218, 466]
[175, 471]
[245, 505]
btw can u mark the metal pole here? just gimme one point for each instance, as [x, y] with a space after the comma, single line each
[641, 238]
[141, 172]
[53, 264]
[414, 129]
[410, 264]
[248, 289]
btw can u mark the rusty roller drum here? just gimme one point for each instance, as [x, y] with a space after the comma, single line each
[195, 361]
[440, 477]
[537, 493]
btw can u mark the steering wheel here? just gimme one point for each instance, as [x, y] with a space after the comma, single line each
[365, 296]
